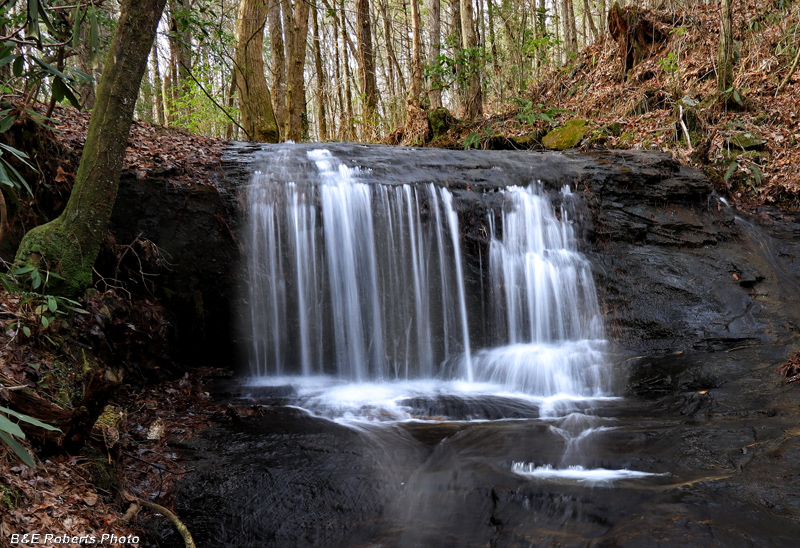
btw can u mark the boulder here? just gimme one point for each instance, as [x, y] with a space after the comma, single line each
[567, 136]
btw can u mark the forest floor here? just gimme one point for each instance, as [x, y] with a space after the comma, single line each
[131, 452]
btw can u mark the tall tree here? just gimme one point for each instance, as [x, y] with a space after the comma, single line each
[158, 90]
[69, 244]
[473, 95]
[180, 45]
[416, 55]
[255, 102]
[570, 32]
[321, 119]
[366, 54]
[296, 58]
[278, 66]
[725, 54]
[436, 51]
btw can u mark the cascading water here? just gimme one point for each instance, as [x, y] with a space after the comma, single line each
[359, 281]
[544, 304]
[365, 282]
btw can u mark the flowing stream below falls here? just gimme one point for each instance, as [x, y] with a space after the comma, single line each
[420, 388]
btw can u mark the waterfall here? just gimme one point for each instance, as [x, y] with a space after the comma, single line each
[349, 278]
[366, 281]
[544, 303]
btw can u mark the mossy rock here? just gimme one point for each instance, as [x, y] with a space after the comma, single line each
[747, 140]
[567, 136]
[440, 121]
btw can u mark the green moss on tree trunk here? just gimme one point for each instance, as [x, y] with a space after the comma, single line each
[69, 245]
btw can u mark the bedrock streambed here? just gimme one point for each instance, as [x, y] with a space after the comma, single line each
[385, 430]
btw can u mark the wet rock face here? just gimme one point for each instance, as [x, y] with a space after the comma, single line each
[178, 243]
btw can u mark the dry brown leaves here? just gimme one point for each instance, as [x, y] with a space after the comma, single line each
[56, 498]
[152, 150]
[791, 369]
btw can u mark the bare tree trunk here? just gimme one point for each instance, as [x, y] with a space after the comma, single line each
[322, 123]
[473, 96]
[603, 15]
[350, 130]
[436, 51]
[231, 131]
[278, 68]
[255, 102]
[295, 85]
[492, 38]
[568, 24]
[725, 54]
[339, 81]
[415, 91]
[587, 13]
[180, 42]
[169, 103]
[366, 54]
[390, 49]
[157, 85]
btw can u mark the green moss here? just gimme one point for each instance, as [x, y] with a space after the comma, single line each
[50, 248]
[567, 136]
[9, 497]
[440, 121]
[626, 139]
[747, 140]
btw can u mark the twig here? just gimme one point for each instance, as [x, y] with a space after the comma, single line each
[210, 98]
[791, 73]
[187, 536]
[685, 129]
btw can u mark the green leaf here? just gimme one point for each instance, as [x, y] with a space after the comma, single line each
[737, 97]
[45, 322]
[76, 26]
[20, 179]
[15, 151]
[4, 178]
[730, 171]
[32, 24]
[6, 123]
[50, 68]
[65, 91]
[23, 270]
[18, 66]
[58, 89]
[18, 449]
[46, 18]
[51, 303]
[11, 427]
[93, 41]
[26, 330]
[7, 59]
[472, 140]
[30, 420]
[757, 173]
